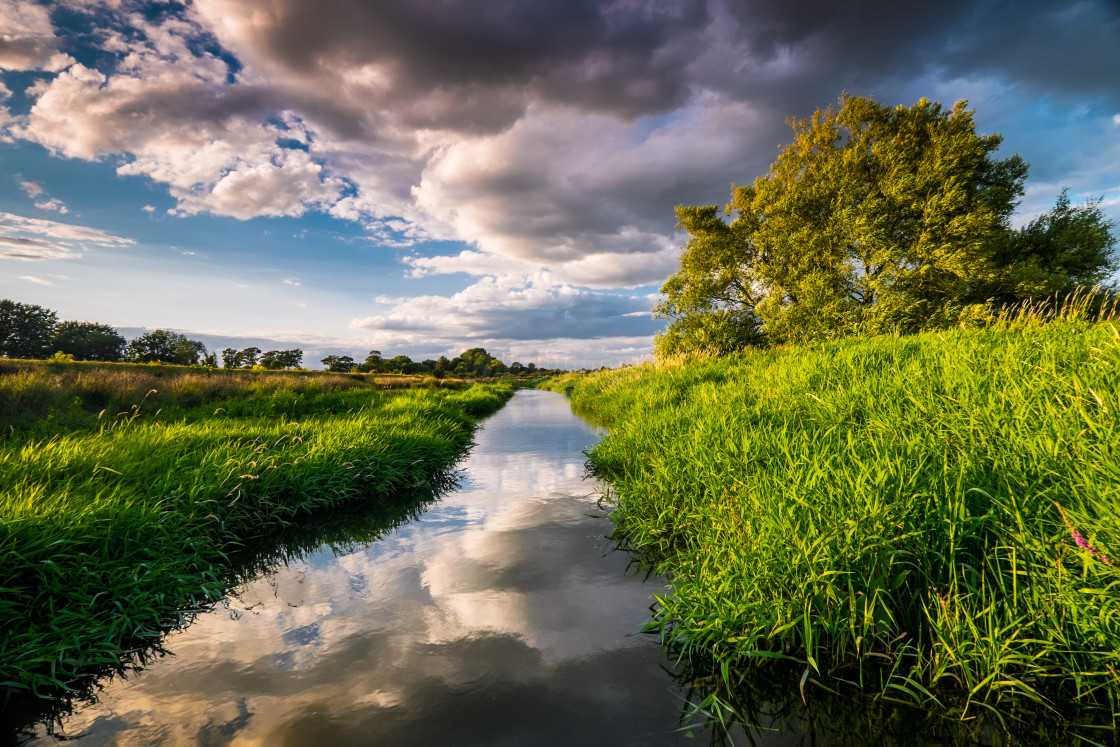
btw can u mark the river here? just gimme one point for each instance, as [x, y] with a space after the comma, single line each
[499, 616]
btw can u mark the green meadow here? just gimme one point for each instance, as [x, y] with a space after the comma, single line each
[934, 518]
[117, 520]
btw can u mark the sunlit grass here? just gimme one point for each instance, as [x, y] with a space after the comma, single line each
[901, 513]
[45, 398]
[107, 533]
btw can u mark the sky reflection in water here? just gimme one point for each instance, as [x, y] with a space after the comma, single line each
[500, 617]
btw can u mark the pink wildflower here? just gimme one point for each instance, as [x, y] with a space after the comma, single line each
[1081, 541]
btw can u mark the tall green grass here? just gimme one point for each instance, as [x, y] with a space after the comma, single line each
[107, 536]
[901, 513]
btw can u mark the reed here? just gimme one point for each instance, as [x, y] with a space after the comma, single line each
[110, 534]
[933, 517]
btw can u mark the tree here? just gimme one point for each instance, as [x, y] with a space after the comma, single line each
[441, 366]
[275, 360]
[230, 358]
[373, 363]
[247, 357]
[873, 219]
[1064, 248]
[88, 341]
[477, 362]
[165, 346]
[713, 296]
[396, 364]
[339, 363]
[25, 330]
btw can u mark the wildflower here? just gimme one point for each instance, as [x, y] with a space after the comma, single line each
[1080, 539]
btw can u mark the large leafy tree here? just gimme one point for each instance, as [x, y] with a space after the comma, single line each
[874, 219]
[88, 341]
[25, 330]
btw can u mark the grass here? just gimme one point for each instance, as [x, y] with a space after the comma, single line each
[112, 529]
[898, 513]
[43, 398]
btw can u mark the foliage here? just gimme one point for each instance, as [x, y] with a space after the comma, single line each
[25, 330]
[875, 219]
[1064, 248]
[246, 358]
[279, 360]
[89, 341]
[165, 346]
[934, 516]
[107, 536]
[339, 363]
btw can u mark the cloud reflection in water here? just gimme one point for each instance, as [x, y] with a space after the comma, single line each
[499, 617]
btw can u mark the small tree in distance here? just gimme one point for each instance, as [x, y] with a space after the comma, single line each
[25, 330]
[165, 346]
[339, 363]
[89, 341]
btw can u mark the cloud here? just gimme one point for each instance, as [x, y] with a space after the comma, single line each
[490, 309]
[31, 250]
[35, 190]
[602, 270]
[27, 40]
[36, 280]
[53, 204]
[33, 239]
[220, 148]
[32, 189]
[557, 137]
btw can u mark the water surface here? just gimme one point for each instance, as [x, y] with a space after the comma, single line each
[499, 617]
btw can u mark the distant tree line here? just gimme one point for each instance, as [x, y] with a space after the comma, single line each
[271, 360]
[34, 332]
[473, 363]
[875, 219]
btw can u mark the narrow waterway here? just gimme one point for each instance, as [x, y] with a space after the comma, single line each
[500, 616]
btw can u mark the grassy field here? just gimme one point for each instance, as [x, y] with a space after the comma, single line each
[935, 517]
[115, 523]
[43, 399]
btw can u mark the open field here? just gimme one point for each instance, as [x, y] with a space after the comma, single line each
[43, 398]
[110, 529]
[935, 517]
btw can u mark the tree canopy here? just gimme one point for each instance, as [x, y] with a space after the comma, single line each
[165, 346]
[25, 330]
[88, 341]
[873, 219]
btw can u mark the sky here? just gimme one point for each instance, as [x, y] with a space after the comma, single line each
[424, 176]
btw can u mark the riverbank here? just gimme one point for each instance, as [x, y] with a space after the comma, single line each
[111, 532]
[935, 517]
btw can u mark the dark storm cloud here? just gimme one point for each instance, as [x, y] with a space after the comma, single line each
[626, 58]
[475, 66]
[1060, 49]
